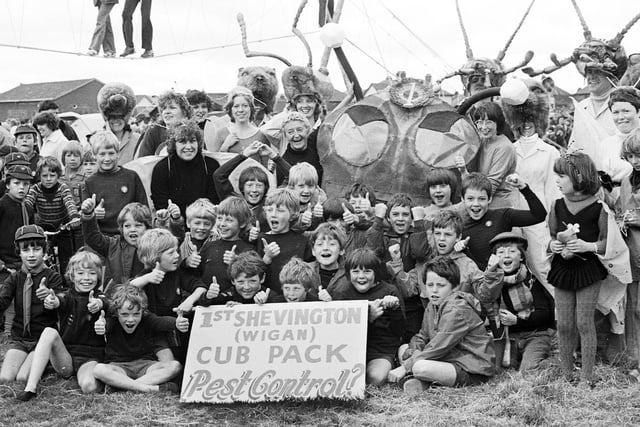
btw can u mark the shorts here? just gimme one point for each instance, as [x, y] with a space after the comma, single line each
[82, 354]
[22, 344]
[79, 361]
[136, 368]
[464, 378]
[390, 357]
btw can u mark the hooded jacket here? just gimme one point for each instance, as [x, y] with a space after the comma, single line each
[454, 332]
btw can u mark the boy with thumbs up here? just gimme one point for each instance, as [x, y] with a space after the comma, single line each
[114, 187]
[28, 288]
[303, 181]
[247, 273]
[76, 348]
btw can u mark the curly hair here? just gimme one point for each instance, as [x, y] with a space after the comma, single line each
[184, 131]
[46, 118]
[196, 97]
[180, 100]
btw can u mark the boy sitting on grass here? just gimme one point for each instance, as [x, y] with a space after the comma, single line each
[76, 348]
[129, 361]
[453, 347]
[527, 309]
[28, 288]
[247, 273]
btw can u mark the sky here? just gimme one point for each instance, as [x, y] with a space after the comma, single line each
[383, 36]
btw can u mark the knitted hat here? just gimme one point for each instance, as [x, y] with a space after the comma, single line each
[116, 99]
[27, 232]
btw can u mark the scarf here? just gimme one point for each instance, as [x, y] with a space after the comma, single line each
[519, 289]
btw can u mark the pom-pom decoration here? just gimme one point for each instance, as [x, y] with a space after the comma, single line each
[332, 35]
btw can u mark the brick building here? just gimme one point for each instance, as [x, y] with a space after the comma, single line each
[22, 101]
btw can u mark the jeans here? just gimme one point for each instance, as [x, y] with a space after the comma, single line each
[103, 34]
[127, 23]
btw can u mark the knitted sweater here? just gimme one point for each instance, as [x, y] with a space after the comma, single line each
[118, 189]
[53, 206]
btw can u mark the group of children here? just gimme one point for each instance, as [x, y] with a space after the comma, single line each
[451, 300]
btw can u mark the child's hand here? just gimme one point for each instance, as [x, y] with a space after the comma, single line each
[348, 216]
[51, 302]
[380, 210]
[174, 210]
[261, 297]
[88, 205]
[229, 256]
[323, 295]
[42, 292]
[94, 304]
[375, 310]
[630, 217]
[461, 245]
[182, 323]
[408, 353]
[556, 246]
[397, 374]
[418, 213]
[100, 327]
[514, 180]
[461, 165]
[184, 307]
[156, 276]
[253, 148]
[232, 303]
[507, 318]
[305, 218]
[318, 211]
[578, 245]
[492, 264]
[99, 210]
[271, 165]
[364, 204]
[214, 289]
[390, 302]
[254, 232]
[193, 260]
[271, 250]
[162, 215]
[394, 251]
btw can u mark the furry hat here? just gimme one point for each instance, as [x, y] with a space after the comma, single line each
[298, 80]
[116, 99]
[535, 107]
[262, 82]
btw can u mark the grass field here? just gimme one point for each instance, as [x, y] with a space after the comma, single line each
[508, 400]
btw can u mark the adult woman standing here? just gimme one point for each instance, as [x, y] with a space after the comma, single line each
[241, 132]
[497, 156]
[53, 140]
[174, 108]
[116, 102]
[185, 174]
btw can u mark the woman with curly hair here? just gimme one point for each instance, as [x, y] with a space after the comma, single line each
[174, 108]
[185, 175]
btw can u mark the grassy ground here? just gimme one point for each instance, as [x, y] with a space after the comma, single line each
[508, 400]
